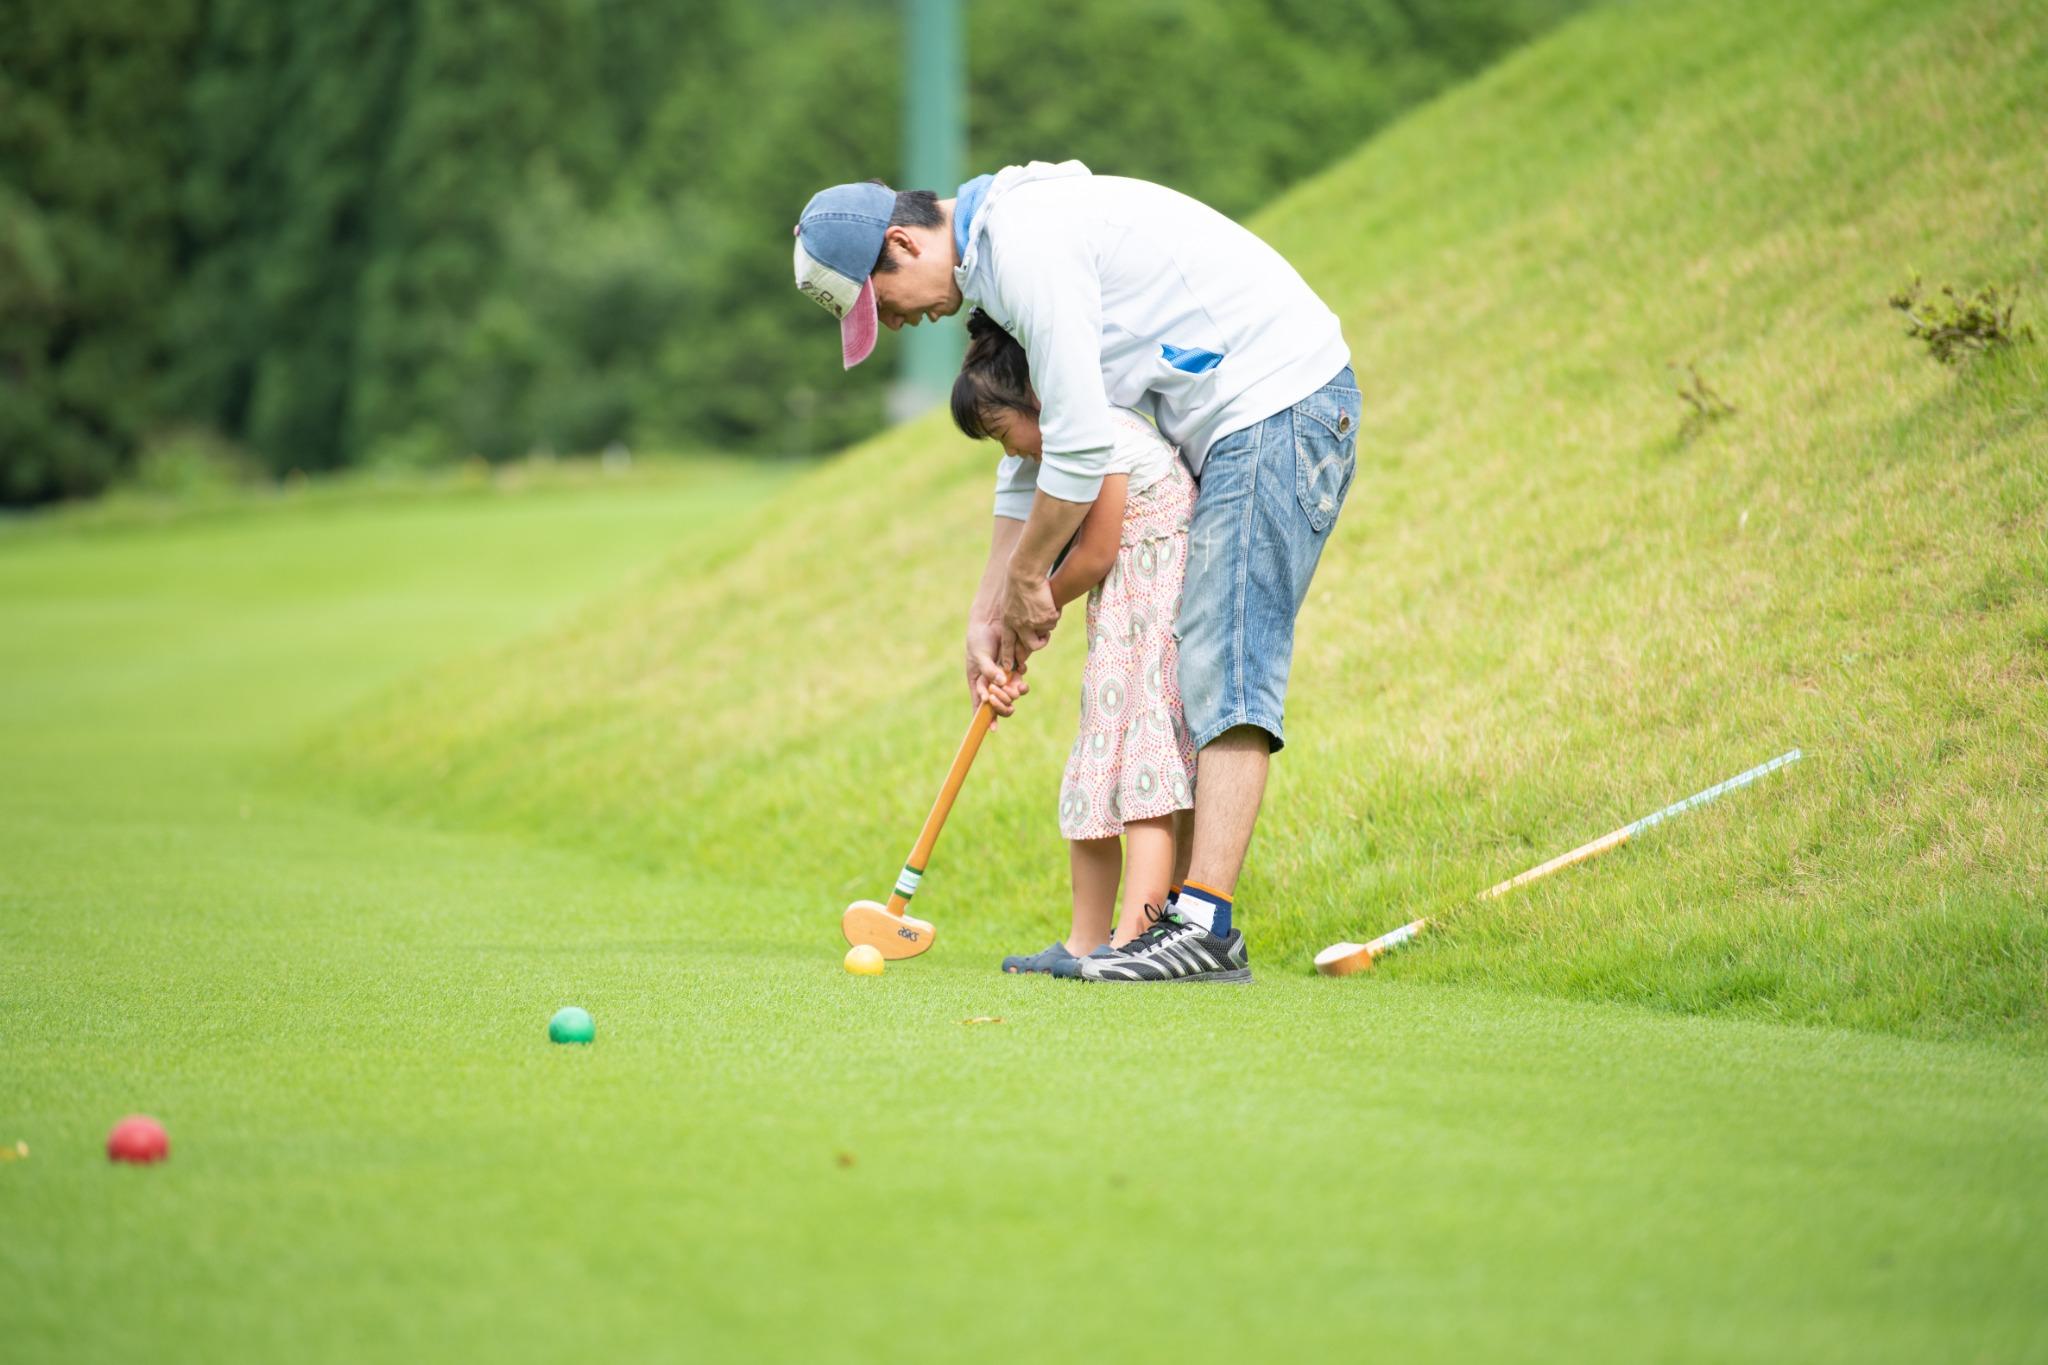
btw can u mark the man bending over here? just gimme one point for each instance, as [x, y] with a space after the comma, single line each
[1129, 294]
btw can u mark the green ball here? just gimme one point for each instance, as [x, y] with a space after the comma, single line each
[571, 1025]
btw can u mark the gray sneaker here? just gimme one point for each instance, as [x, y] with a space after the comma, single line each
[1045, 961]
[1174, 949]
[1070, 969]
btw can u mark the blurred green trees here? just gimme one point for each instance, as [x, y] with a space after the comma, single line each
[403, 231]
[92, 150]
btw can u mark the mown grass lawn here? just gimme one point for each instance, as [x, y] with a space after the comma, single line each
[376, 1154]
[311, 813]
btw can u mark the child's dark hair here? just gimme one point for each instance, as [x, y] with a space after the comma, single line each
[995, 374]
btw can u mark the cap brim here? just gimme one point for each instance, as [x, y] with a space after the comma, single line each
[858, 329]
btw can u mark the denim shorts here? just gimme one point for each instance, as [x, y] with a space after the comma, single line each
[1268, 496]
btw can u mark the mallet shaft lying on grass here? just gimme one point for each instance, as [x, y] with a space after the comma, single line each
[890, 928]
[1342, 959]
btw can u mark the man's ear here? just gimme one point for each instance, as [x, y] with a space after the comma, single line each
[903, 240]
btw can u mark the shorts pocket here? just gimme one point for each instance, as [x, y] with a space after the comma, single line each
[1325, 453]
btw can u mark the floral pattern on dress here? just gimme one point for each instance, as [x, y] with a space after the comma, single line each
[1134, 758]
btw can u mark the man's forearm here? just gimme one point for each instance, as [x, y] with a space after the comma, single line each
[1039, 540]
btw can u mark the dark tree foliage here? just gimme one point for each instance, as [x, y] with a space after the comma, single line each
[91, 150]
[736, 159]
[493, 94]
[290, 114]
[403, 231]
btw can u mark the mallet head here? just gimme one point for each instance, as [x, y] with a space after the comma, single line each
[893, 936]
[1342, 959]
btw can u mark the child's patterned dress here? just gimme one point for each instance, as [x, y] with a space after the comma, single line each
[1134, 758]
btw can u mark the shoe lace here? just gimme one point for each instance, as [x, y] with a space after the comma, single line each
[1159, 922]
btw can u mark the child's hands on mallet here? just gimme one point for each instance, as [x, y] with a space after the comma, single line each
[1001, 692]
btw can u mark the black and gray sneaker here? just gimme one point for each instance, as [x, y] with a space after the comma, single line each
[1174, 949]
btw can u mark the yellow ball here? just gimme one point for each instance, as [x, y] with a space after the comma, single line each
[864, 959]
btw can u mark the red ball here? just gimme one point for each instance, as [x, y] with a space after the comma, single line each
[138, 1138]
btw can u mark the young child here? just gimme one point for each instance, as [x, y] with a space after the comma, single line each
[1128, 794]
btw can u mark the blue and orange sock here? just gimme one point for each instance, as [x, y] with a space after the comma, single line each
[1207, 907]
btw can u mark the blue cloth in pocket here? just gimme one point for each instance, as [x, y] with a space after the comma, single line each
[1189, 359]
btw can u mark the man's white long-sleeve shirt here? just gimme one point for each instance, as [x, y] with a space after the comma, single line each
[1128, 294]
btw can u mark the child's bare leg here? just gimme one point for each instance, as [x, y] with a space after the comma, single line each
[1183, 844]
[1096, 864]
[1148, 870]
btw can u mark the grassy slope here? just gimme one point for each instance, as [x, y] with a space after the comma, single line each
[1544, 612]
[377, 1156]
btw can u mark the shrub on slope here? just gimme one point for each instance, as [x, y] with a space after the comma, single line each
[1542, 613]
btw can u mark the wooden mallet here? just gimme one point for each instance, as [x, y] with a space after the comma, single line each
[890, 928]
[1342, 959]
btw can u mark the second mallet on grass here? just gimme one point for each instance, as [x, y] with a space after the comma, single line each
[1342, 959]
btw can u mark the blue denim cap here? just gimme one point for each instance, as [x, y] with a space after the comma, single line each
[838, 241]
